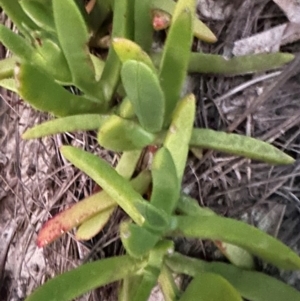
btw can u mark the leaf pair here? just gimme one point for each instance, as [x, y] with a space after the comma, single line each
[141, 212]
[90, 214]
[139, 240]
[60, 34]
[240, 234]
[238, 145]
[15, 12]
[44, 94]
[203, 223]
[201, 138]
[143, 89]
[141, 84]
[251, 285]
[236, 255]
[154, 94]
[164, 172]
[211, 227]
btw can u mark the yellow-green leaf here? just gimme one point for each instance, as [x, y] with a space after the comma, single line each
[119, 134]
[210, 287]
[240, 234]
[43, 93]
[137, 240]
[143, 90]
[73, 35]
[128, 50]
[9, 84]
[239, 145]
[165, 187]
[118, 188]
[40, 12]
[176, 54]
[122, 27]
[94, 225]
[252, 285]
[89, 276]
[217, 64]
[83, 122]
[82, 211]
[15, 12]
[179, 133]
[7, 67]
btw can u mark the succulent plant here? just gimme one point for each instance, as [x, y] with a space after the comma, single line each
[52, 51]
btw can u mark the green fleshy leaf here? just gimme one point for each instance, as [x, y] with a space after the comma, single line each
[44, 94]
[40, 12]
[7, 67]
[78, 281]
[176, 54]
[217, 64]
[165, 190]
[125, 109]
[128, 50]
[122, 28]
[119, 134]
[234, 254]
[100, 12]
[127, 163]
[98, 66]
[202, 32]
[240, 234]
[239, 145]
[143, 90]
[106, 177]
[252, 285]
[143, 32]
[82, 211]
[83, 122]
[118, 188]
[190, 206]
[147, 284]
[15, 12]
[46, 56]
[210, 287]
[70, 19]
[94, 225]
[52, 57]
[179, 133]
[137, 240]
[18, 45]
[9, 84]
[126, 167]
